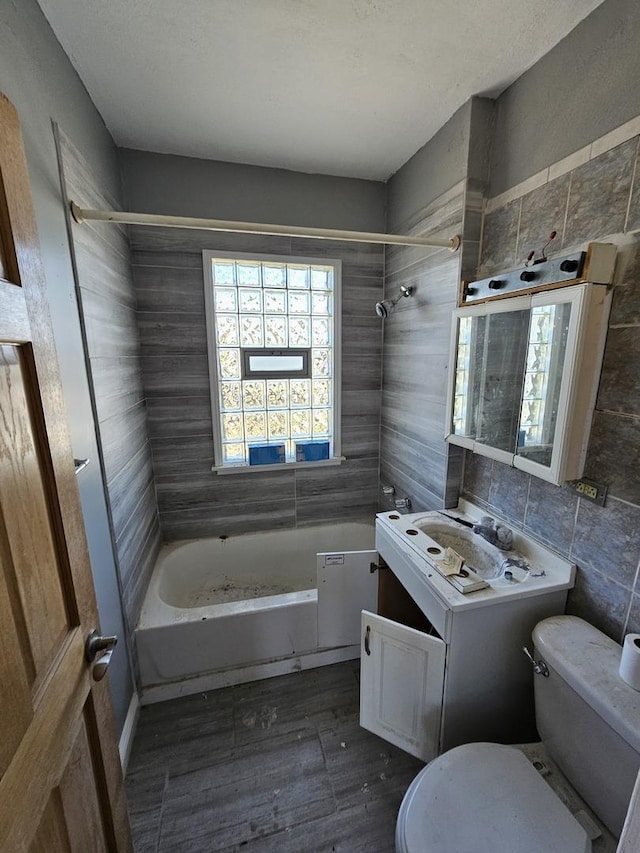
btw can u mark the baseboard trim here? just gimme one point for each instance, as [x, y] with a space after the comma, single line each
[128, 731]
[242, 675]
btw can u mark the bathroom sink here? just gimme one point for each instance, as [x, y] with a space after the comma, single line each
[485, 559]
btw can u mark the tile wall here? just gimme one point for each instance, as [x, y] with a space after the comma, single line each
[193, 501]
[106, 302]
[413, 454]
[593, 196]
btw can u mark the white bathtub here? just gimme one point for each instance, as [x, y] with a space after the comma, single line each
[226, 610]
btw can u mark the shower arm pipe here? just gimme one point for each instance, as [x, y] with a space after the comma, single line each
[82, 215]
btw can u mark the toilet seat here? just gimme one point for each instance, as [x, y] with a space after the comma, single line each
[485, 797]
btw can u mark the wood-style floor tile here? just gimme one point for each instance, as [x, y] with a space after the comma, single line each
[275, 765]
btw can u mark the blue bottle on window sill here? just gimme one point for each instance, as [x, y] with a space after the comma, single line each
[311, 451]
[266, 454]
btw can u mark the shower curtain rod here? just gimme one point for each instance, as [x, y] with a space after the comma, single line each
[127, 218]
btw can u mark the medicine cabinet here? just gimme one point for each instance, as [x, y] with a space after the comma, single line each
[523, 378]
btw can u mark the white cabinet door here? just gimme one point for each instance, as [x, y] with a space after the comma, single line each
[401, 682]
[346, 584]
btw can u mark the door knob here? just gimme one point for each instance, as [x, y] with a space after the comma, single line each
[101, 648]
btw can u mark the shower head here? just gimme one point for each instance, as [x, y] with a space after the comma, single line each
[384, 308]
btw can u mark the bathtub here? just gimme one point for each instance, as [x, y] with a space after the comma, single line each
[232, 609]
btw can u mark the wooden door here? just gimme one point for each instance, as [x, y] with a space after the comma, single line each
[61, 786]
[401, 685]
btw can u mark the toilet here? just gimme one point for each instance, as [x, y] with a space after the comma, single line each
[483, 797]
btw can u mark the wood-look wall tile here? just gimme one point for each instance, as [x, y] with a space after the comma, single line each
[361, 402]
[599, 195]
[360, 436]
[601, 601]
[188, 240]
[183, 457]
[141, 527]
[175, 375]
[123, 436]
[212, 492]
[172, 334]
[352, 475]
[422, 499]
[137, 580]
[551, 514]
[101, 269]
[543, 211]
[620, 378]
[358, 259]
[169, 289]
[420, 418]
[353, 505]
[608, 539]
[359, 296]
[128, 486]
[187, 261]
[499, 239]
[425, 464]
[117, 385]
[110, 327]
[173, 417]
[190, 524]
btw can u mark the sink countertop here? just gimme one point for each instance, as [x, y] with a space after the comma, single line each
[559, 572]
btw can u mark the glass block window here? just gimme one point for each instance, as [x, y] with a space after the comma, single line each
[538, 370]
[461, 400]
[274, 348]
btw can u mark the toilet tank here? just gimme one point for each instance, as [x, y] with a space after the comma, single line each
[587, 716]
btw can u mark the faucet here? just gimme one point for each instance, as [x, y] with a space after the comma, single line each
[402, 503]
[497, 534]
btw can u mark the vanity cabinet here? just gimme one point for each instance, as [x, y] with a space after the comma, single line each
[438, 668]
[524, 375]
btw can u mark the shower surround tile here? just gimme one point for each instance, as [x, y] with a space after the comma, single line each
[192, 499]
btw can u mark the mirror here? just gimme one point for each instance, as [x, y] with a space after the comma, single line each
[516, 367]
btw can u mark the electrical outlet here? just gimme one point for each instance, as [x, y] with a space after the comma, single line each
[589, 489]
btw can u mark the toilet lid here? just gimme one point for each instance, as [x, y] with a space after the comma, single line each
[485, 797]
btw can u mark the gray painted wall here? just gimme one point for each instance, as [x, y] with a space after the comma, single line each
[187, 186]
[583, 88]
[437, 166]
[38, 78]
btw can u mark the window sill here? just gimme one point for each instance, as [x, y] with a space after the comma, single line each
[280, 466]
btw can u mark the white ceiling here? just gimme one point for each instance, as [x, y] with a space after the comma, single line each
[341, 87]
